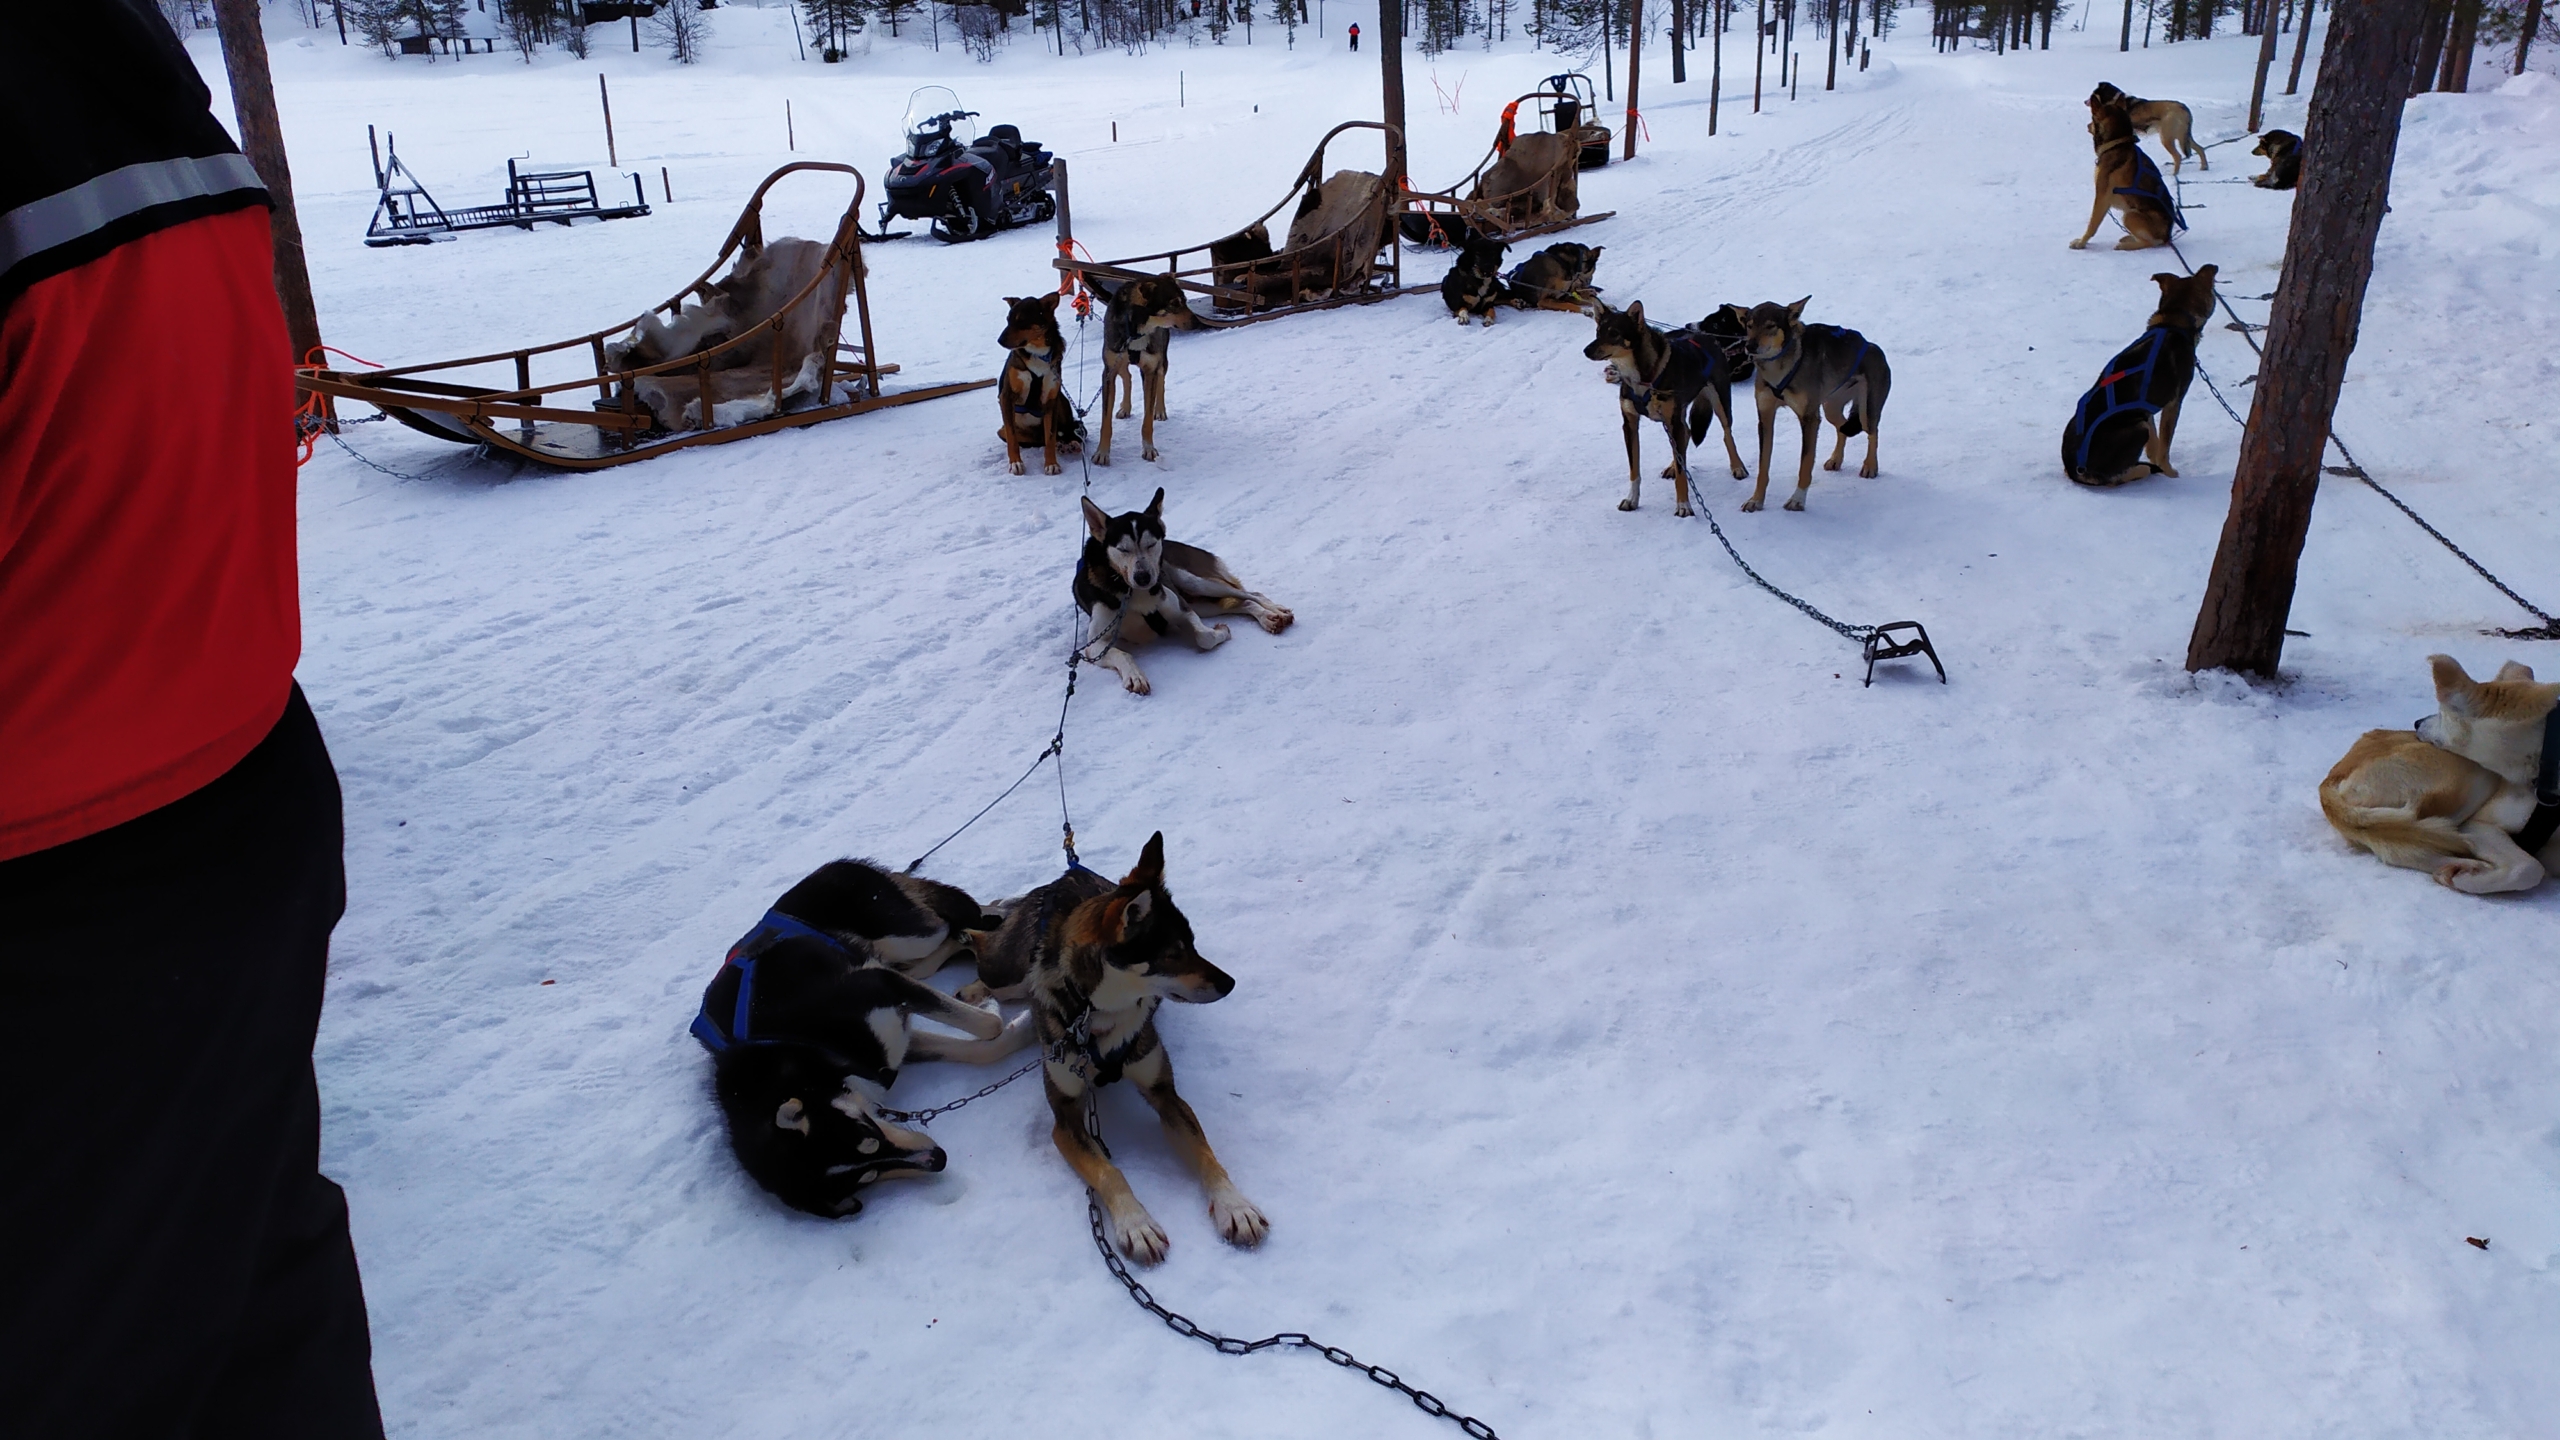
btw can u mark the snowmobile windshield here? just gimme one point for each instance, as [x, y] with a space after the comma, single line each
[934, 114]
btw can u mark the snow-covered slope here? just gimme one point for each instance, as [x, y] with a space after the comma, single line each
[1641, 1028]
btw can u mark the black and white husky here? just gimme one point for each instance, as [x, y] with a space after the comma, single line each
[1134, 585]
[807, 1025]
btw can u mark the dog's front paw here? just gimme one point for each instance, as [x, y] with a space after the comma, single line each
[1626, 504]
[1135, 683]
[1103, 458]
[1796, 501]
[1138, 1235]
[1239, 1221]
[974, 993]
[1147, 454]
[1275, 621]
[1045, 470]
[1683, 511]
[1017, 468]
[1830, 464]
[2080, 244]
[1218, 635]
[1751, 505]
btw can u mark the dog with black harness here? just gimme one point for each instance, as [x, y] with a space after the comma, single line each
[1029, 390]
[1138, 320]
[1821, 372]
[807, 1026]
[2120, 431]
[1134, 585]
[1473, 288]
[1683, 380]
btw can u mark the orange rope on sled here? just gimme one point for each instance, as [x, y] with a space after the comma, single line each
[1503, 137]
[313, 417]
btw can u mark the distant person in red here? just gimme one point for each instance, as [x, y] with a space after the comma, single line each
[1355, 39]
[170, 839]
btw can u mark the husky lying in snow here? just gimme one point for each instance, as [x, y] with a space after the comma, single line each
[807, 1028]
[1133, 585]
[2471, 793]
[1095, 960]
[741, 377]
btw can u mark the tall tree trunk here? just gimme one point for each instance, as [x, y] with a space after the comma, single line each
[2532, 22]
[2459, 42]
[1391, 86]
[2430, 44]
[2266, 58]
[2301, 44]
[1679, 41]
[253, 103]
[2347, 146]
[1635, 54]
[2124, 36]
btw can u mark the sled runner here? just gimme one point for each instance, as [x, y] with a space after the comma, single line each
[1340, 249]
[761, 350]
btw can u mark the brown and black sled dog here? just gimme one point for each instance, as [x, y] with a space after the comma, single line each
[2121, 430]
[2168, 119]
[1095, 959]
[1030, 390]
[2126, 182]
[1138, 322]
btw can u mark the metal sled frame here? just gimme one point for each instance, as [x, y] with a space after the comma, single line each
[530, 420]
[1492, 215]
[405, 214]
[1231, 289]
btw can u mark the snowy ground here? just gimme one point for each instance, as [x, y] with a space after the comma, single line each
[1641, 1029]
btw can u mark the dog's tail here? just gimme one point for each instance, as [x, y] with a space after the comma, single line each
[2395, 834]
[1867, 406]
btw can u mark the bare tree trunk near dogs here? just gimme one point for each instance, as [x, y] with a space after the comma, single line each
[2430, 45]
[1635, 54]
[253, 102]
[2458, 45]
[2302, 43]
[2266, 61]
[1391, 82]
[1679, 41]
[2347, 146]
[2532, 22]
[2124, 36]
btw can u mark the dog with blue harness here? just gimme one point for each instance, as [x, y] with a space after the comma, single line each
[1682, 379]
[2127, 182]
[2121, 429]
[1821, 372]
[807, 1025]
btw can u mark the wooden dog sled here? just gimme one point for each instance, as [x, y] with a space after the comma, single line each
[470, 400]
[1346, 256]
[1505, 197]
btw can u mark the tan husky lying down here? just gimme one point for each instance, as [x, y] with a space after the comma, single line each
[2453, 794]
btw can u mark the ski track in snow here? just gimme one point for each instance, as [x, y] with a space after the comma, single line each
[1641, 1029]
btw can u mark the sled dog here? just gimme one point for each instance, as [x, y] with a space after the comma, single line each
[2132, 412]
[1095, 960]
[1683, 379]
[807, 1025]
[1473, 287]
[1557, 278]
[1138, 324]
[2283, 150]
[2471, 794]
[2126, 182]
[1029, 392]
[2168, 119]
[1821, 372]
[1134, 585]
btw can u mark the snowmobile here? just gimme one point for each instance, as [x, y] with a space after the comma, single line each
[967, 187]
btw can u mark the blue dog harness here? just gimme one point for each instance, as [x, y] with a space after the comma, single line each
[1854, 361]
[2108, 400]
[770, 931]
[2148, 184]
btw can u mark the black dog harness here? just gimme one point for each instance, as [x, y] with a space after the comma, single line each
[2107, 399]
[1035, 398]
[770, 931]
[1681, 341]
[2148, 185]
[1854, 361]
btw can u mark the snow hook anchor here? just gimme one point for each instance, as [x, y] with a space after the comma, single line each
[1880, 645]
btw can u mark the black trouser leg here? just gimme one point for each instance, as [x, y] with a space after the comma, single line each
[177, 1264]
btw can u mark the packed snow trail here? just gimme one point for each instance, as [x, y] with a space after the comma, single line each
[1640, 1030]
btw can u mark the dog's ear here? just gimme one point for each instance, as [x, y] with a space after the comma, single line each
[1135, 913]
[1741, 313]
[2206, 275]
[2516, 670]
[1049, 302]
[1012, 300]
[1094, 519]
[1796, 311]
[1635, 311]
[2453, 684]
[1150, 869]
[1155, 511]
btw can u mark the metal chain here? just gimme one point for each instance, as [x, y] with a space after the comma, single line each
[1185, 1326]
[918, 1117]
[478, 454]
[1855, 634]
[2549, 629]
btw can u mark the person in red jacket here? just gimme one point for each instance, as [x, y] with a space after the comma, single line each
[1355, 39]
[170, 842]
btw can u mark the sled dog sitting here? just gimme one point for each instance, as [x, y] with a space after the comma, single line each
[2283, 150]
[1138, 322]
[741, 379]
[1134, 585]
[1821, 372]
[1473, 287]
[1029, 392]
[2132, 412]
[1557, 278]
[807, 1025]
[1684, 380]
[2471, 794]
[2168, 119]
[2127, 182]
[1095, 960]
